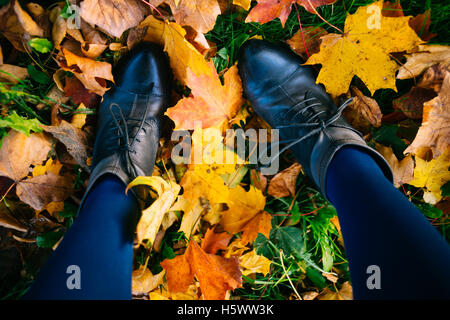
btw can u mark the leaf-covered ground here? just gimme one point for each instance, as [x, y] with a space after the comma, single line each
[260, 237]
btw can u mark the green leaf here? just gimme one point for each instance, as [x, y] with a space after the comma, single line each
[387, 135]
[16, 122]
[38, 76]
[429, 211]
[262, 246]
[290, 240]
[316, 277]
[41, 45]
[49, 239]
[446, 189]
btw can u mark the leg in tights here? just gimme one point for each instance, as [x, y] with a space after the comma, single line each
[382, 227]
[100, 243]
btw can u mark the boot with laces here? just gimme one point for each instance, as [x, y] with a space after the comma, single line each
[129, 117]
[285, 94]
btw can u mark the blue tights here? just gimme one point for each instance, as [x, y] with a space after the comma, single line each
[390, 246]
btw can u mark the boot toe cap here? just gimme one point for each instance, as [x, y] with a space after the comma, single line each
[145, 69]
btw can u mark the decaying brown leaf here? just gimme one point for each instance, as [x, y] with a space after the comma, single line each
[283, 183]
[426, 56]
[411, 103]
[310, 39]
[403, 170]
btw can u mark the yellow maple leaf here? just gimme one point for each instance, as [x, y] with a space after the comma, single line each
[363, 50]
[253, 263]
[181, 53]
[432, 175]
[153, 216]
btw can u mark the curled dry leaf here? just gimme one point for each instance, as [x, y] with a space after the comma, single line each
[363, 51]
[363, 113]
[75, 140]
[427, 56]
[88, 71]
[434, 133]
[283, 183]
[201, 15]
[113, 16]
[258, 180]
[434, 76]
[152, 217]
[143, 281]
[403, 170]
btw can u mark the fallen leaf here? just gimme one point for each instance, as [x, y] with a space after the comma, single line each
[403, 170]
[242, 207]
[363, 113]
[283, 183]
[76, 90]
[411, 103]
[88, 71]
[152, 217]
[113, 16]
[434, 76]
[363, 50]
[27, 22]
[182, 54]
[79, 119]
[199, 14]
[426, 56]
[434, 132]
[243, 3]
[267, 10]
[432, 175]
[261, 223]
[12, 74]
[143, 281]
[211, 102]
[75, 141]
[179, 273]
[345, 293]
[252, 263]
[214, 242]
[310, 39]
[258, 180]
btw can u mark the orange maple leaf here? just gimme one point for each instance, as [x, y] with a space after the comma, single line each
[215, 241]
[210, 102]
[267, 10]
[215, 274]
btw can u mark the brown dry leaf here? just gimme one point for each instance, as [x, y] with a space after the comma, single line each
[434, 76]
[411, 103]
[214, 242]
[182, 54]
[311, 36]
[55, 96]
[143, 281]
[113, 16]
[13, 74]
[88, 71]
[211, 102]
[345, 293]
[8, 221]
[283, 183]
[403, 170]
[261, 223]
[427, 56]
[258, 180]
[434, 132]
[74, 139]
[267, 10]
[77, 91]
[363, 112]
[27, 22]
[201, 15]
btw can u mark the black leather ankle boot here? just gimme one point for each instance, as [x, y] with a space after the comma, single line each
[129, 117]
[285, 94]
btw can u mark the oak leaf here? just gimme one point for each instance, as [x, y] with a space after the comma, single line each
[201, 15]
[363, 50]
[113, 16]
[267, 10]
[211, 102]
